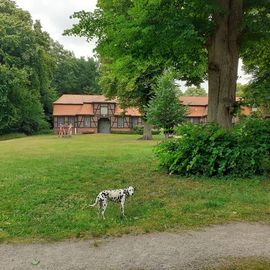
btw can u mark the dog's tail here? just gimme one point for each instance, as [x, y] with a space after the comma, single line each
[94, 204]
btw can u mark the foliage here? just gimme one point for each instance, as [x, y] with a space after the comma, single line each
[133, 38]
[31, 114]
[139, 130]
[195, 91]
[212, 151]
[45, 196]
[17, 53]
[138, 40]
[164, 109]
[241, 90]
[74, 75]
[257, 62]
[33, 70]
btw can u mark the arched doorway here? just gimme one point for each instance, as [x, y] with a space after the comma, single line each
[104, 125]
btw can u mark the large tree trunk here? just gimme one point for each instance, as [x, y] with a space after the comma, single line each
[147, 131]
[223, 56]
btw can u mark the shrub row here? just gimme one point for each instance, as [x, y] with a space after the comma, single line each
[209, 150]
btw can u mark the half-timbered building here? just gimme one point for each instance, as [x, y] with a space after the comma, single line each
[93, 114]
[97, 114]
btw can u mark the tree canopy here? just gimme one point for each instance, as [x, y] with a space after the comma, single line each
[20, 58]
[34, 71]
[257, 63]
[139, 39]
[74, 75]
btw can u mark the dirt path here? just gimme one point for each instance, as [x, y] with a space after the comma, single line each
[184, 250]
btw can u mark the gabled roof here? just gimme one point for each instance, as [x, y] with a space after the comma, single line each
[197, 111]
[71, 105]
[128, 111]
[72, 109]
[81, 99]
[194, 101]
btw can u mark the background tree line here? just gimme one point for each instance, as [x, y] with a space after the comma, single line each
[34, 71]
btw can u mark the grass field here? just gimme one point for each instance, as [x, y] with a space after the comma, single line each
[47, 182]
[244, 264]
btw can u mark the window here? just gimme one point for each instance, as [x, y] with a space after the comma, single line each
[71, 120]
[87, 121]
[134, 121]
[195, 120]
[120, 122]
[104, 110]
[61, 120]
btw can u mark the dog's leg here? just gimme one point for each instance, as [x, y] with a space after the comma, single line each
[95, 203]
[100, 206]
[122, 206]
[103, 208]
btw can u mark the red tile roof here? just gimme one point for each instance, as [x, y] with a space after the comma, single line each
[81, 105]
[72, 105]
[197, 111]
[80, 99]
[86, 109]
[72, 110]
[128, 111]
[196, 101]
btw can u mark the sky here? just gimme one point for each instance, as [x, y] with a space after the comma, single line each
[54, 17]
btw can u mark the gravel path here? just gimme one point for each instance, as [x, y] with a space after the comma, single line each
[183, 250]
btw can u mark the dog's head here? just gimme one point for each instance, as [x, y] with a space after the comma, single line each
[130, 191]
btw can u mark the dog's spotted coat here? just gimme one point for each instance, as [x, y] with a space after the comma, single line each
[116, 195]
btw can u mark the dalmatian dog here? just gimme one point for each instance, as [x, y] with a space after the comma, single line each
[116, 195]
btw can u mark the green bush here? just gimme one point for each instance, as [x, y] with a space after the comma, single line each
[139, 130]
[209, 150]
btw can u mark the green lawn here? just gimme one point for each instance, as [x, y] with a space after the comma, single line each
[46, 183]
[249, 263]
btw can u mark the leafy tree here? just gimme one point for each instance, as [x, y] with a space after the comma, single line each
[73, 75]
[43, 65]
[20, 109]
[11, 81]
[126, 70]
[164, 109]
[32, 70]
[241, 90]
[257, 63]
[195, 91]
[17, 53]
[138, 39]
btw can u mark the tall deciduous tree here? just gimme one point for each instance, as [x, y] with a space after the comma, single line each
[20, 105]
[74, 75]
[34, 70]
[138, 39]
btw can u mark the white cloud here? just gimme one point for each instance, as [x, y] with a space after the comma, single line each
[54, 16]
